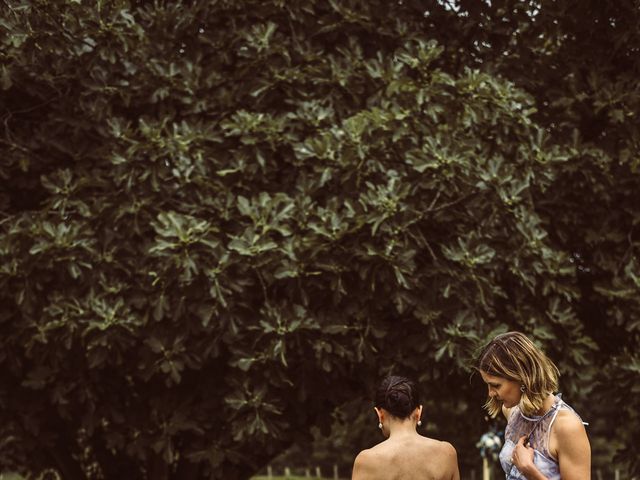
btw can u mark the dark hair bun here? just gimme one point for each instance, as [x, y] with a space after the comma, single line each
[398, 396]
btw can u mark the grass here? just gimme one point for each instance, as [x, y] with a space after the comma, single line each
[290, 477]
[15, 476]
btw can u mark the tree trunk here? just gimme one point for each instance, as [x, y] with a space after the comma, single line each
[188, 470]
[158, 468]
[66, 465]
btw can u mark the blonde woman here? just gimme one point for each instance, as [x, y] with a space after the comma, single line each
[545, 439]
[404, 455]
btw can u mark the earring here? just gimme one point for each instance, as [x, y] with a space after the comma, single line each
[380, 425]
[522, 389]
[419, 423]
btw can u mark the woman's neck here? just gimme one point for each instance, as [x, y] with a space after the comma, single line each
[548, 404]
[398, 429]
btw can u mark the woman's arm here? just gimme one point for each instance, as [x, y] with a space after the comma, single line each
[362, 467]
[573, 449]
[452, 457]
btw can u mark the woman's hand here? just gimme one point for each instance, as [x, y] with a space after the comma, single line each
[522, 456]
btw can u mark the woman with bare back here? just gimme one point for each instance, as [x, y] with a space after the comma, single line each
[405, 454]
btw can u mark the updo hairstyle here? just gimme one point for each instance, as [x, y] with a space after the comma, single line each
[398, 396]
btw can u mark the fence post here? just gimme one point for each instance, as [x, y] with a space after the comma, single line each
[287, 472]
[269, 472]
[486, 473]
[307, 472]
[473, 474]
[318, 473]
[335, 472]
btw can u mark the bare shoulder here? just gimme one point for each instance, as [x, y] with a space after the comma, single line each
[364, 465]
[570, 445]
[448, 449]
[449, 458]
[567, 425]
[449, 452]
[365, 457]
[568, 436]
[439, 447]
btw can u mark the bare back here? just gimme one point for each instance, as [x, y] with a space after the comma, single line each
[407, 458]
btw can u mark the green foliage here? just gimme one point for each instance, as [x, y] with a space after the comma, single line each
[222, 220]
[292, 477]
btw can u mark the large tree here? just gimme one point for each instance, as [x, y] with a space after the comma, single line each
[579, 60]
[221, 220]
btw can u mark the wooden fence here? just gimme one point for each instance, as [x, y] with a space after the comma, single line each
[486, 473]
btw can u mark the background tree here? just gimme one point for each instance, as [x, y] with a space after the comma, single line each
[222, 220]
[579, 60]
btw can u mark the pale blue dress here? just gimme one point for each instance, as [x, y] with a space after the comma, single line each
[537, 429]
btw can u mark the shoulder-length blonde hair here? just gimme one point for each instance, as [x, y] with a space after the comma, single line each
[514, 357]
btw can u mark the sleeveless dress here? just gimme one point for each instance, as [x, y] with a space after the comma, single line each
[537, 429]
